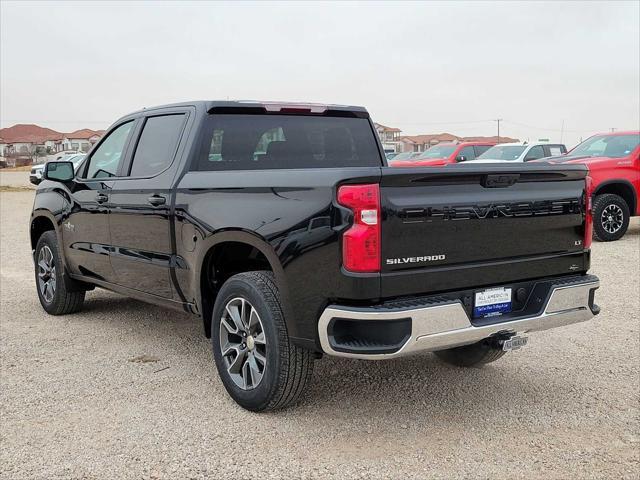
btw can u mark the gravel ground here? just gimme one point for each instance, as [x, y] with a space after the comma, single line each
[127, 390]
[15, 178]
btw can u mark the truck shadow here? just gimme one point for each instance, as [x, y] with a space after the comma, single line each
[418, 389]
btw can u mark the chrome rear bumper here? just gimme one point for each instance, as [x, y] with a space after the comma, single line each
[446, 325]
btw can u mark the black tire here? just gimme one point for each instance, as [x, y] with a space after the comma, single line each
[474, 355]
[287, 369]
[612, 226]
[61, 301]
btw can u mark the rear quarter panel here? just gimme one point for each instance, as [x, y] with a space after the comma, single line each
[291, 216]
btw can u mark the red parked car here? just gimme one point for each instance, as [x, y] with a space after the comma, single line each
[613, 160]
[444, 153]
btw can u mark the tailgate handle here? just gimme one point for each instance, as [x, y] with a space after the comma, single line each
[500, 181]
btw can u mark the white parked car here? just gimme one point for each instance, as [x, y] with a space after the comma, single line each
[35, 176]
[520, 152]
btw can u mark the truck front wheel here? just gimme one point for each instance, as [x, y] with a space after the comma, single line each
[474, 355]
[258, 365]
[610, 217]
[54, 296]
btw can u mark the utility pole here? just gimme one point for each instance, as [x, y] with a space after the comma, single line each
[498, 120]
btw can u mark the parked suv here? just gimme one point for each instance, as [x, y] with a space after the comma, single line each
[613, 160]
[445, 153]
[520, 152]
[283, 229]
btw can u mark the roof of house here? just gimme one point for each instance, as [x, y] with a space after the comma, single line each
[28, 133]
[83, 134]
[384, 128]
[438, 137]
[493, 139]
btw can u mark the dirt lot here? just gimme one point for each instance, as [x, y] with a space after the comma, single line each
[12, 178]
[128, 390]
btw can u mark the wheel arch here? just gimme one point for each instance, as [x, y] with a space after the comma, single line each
[42, 221]
[229, 252]
[621, 187]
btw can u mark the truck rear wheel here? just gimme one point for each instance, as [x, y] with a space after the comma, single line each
[474, 355]
[258, 365]
[610, 217]
[54, 296]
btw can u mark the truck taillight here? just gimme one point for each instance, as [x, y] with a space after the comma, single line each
[361, 242]
[588, 214]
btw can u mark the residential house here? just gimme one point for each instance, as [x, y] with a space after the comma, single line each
[493, 139]
[420, 143]
[21, 139]
[81, 140]
[389, 136]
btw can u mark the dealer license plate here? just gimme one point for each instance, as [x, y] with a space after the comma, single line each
[492, 301]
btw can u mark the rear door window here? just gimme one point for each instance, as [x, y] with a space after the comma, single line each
[468, 153]
[157, 145]
[480, 149]
[535, 153]
[256, 142]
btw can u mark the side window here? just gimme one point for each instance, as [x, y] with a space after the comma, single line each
[468, 153]
[480, 149]
[104, 161]
[535, 153]
[555, 150]
[157, 145]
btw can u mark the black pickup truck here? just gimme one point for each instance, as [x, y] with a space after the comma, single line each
[282, 227]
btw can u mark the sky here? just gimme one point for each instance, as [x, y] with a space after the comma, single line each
[561, 71]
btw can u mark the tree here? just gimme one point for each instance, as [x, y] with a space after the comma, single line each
[35, 152]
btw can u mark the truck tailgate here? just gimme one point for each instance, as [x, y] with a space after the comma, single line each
[472, 225]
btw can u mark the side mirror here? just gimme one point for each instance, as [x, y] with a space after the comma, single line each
[461, 158]
[59, 171]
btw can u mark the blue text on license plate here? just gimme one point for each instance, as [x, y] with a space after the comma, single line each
[492, 301]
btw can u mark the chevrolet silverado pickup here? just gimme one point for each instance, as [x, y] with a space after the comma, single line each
[283, 229]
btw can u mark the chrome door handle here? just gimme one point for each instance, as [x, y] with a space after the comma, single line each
[101, 198]
[156, 200]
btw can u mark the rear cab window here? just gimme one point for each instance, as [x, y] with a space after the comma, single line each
[279, 141]
[556, 150]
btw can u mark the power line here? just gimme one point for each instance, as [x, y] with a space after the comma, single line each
[550, 129]
[441, 123]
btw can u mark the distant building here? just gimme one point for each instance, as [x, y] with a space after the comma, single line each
[81, 140]
[25, 139]
[390, 137]
[493, 139]
[420, 143]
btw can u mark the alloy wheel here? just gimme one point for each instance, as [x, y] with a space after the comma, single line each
[612, 218]
[243, 343]
[46, 274]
